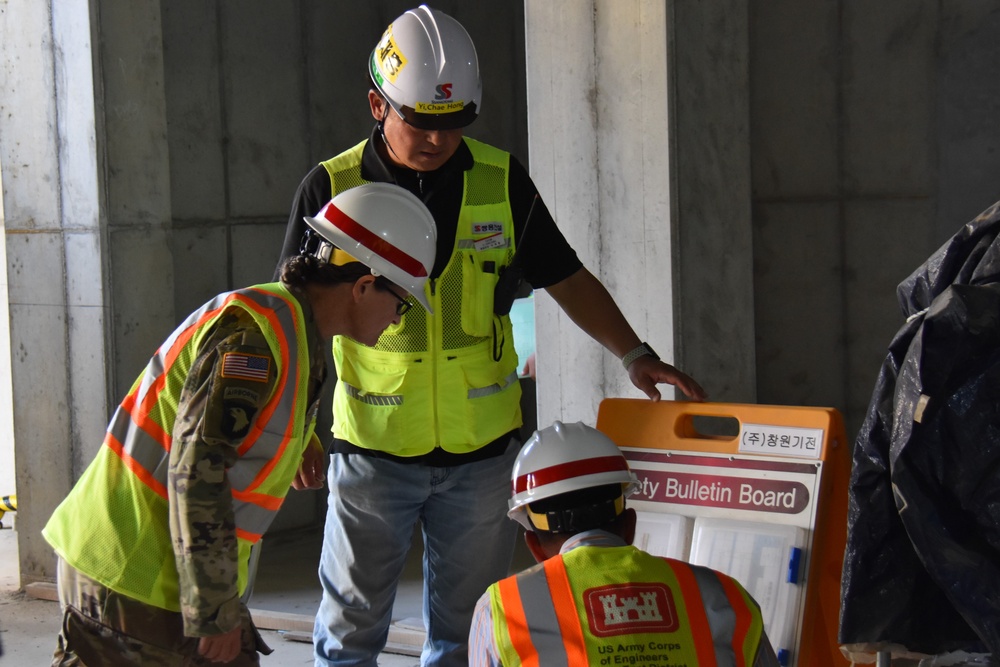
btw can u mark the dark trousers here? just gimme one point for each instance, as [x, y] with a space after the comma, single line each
[102, 628]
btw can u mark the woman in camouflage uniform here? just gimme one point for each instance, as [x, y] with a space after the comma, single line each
[154, 539]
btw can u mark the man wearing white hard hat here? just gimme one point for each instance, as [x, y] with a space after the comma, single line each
[425, 426]
[154, 540]
[594, 599]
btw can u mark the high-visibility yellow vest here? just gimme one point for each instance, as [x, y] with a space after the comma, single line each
[449, 379]
[621, 606]
[113, 526]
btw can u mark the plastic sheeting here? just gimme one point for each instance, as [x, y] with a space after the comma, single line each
[922, 565]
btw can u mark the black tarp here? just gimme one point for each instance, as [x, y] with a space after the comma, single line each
[922, 565]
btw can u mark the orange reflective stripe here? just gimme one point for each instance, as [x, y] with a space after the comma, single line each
[517, 622]
[701, 631]
[260, 499]
[152, 393]
[252, 538]
[566, 611]
[283, 346]
[143, 444]
[744, 619]
[144, 475]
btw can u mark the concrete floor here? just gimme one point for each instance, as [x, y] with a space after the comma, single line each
[286, 596]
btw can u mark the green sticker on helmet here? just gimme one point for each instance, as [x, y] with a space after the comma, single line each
[376, 75]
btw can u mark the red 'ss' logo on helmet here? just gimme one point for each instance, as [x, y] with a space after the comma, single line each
[443, 92]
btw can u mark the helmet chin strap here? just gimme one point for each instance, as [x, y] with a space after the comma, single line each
[381, 130]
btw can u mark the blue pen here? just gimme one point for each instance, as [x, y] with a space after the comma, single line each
[793, 575]
[794, 565]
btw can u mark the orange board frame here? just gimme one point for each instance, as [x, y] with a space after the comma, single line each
[671, 426]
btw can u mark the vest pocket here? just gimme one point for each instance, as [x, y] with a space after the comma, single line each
[479, 278]
[382, 405]
[369, 380]
[493, 399]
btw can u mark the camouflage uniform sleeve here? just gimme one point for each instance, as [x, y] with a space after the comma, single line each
[216, 407]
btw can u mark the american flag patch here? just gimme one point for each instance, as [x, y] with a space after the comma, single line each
[245, 366]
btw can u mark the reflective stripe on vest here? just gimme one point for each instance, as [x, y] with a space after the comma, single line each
[445, 380]
[383, 399]
[748, 624]
[538, 618]
[144, 444]
[479, 392]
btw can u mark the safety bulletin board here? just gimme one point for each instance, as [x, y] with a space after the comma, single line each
[756, 491]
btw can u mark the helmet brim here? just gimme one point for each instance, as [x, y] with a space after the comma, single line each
[452, 120]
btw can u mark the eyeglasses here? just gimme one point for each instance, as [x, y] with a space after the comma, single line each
[403, 306]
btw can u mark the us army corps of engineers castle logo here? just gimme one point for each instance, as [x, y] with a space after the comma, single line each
[623, 609]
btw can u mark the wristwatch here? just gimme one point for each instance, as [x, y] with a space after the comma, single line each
[641, 351]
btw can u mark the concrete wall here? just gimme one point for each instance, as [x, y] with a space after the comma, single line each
[54, 268]
[638, 127]
[874, 139]
[151, 167]
[259, 92]
[751, 180]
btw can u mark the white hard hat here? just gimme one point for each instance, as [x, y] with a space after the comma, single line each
[561, 459]
[425, 65]
[386, 228]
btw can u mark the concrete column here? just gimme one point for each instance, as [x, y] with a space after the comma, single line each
[638, 141]
[89, 268]
[713, 259]
[137, 171]
[52, 232]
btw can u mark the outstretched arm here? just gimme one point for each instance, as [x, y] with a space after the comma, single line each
[591, 307]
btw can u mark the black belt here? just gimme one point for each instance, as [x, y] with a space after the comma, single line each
[437, 457]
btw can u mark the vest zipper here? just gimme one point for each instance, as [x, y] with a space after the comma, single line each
[432, 348]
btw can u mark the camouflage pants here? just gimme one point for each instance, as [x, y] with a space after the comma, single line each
[101, 628]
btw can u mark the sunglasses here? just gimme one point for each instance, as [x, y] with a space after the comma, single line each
[403, 306]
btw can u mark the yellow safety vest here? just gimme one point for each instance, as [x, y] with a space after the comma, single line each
[113, 526]
[449, 379]
[621, 606]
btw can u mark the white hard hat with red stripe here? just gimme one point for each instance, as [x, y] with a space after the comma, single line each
[386, 228]
[426, 66]
[561, 459]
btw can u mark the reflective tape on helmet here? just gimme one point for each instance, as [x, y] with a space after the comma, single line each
[569, 470]
[373, 242]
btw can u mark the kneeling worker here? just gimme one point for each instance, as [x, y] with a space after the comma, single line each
[154, 539]
[594, 599]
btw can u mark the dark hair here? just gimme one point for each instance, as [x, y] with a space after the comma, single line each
[584, 509]
[300, 270]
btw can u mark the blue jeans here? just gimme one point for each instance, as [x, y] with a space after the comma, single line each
[468, 545]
